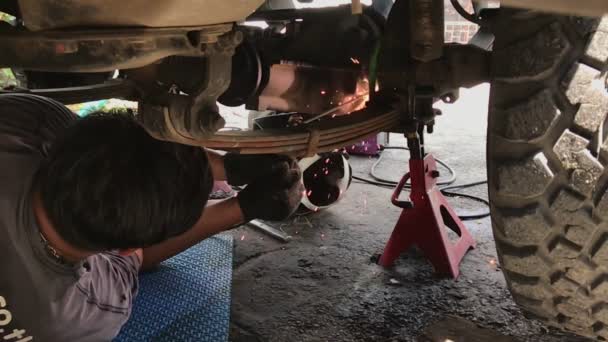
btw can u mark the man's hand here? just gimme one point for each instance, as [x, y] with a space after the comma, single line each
[274, 196]
[244, 169]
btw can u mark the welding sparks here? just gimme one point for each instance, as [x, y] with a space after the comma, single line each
[326, 172]
[327, 161]
[354, 60]
[364, 211]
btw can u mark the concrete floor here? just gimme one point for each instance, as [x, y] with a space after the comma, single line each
[323, 285]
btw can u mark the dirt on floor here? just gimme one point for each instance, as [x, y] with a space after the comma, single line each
[324, 285]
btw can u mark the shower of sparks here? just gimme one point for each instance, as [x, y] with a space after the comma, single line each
[364, 211]
[354, 60]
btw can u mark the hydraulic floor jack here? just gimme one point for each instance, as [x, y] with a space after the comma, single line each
[425, 218]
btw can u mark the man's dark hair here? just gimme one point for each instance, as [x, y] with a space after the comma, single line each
[107, 184]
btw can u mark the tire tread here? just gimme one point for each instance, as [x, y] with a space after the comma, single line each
[555, 261]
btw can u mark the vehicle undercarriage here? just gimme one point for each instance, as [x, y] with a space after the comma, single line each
[348, 72]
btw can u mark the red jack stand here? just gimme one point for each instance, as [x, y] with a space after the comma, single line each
[423, 221]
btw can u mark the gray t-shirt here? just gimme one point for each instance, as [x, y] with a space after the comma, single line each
[40, 298]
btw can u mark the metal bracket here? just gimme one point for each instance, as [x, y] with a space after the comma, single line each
[102, 50]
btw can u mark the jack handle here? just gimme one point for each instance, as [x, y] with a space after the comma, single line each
[395, 198]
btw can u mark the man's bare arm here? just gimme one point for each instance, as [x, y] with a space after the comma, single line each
[216, 163]
[216, 218]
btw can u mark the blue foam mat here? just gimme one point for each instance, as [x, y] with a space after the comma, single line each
[187, 298]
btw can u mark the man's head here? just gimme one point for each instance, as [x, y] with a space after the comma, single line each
[106, 184]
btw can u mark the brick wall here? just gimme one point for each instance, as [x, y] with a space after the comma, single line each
[458, 29]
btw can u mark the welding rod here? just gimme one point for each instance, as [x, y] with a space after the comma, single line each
[329, 111]
[271, 231]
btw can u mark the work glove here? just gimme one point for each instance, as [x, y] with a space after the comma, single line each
[274, 196]
[243, 169]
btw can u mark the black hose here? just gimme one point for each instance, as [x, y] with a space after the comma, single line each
[452, 172]
[390, 184]
[468, 16]
[471, 197]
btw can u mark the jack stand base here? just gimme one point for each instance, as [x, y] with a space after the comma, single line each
[423, 222]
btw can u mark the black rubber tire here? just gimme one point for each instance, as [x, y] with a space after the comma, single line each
[548, 166]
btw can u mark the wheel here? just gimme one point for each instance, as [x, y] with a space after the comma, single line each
[547, 166]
